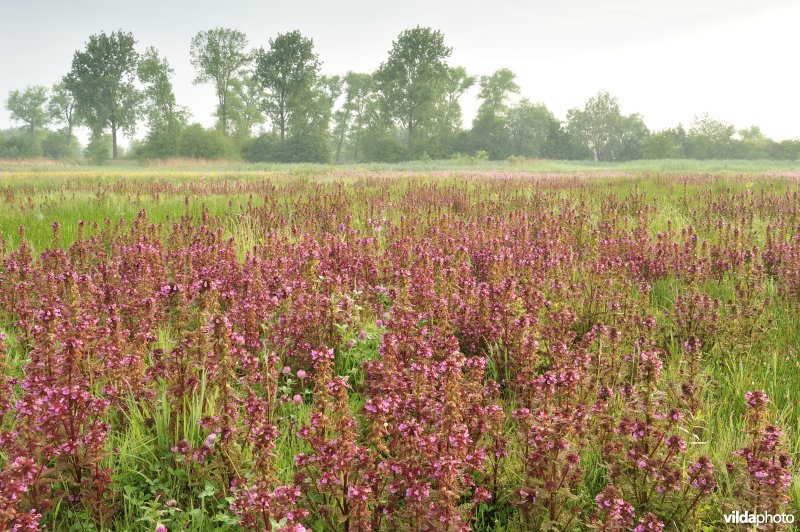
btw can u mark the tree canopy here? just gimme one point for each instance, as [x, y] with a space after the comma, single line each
[219, 56]
[412, 81]
[102, 81]
[276, 103]
[29, 106]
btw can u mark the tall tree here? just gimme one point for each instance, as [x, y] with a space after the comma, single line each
[413, 79]
[495, 91]
[246, 105]
[102, 82]
[165, 118]
[29, 106]
[456, 83]
[666, 144]
[709, 138]
[288, 72]
[752, 144]
[490, 129]
[61, 107]
[602, 128]
[351, 118]
[309, 138]
[530, 126]
[219, 56]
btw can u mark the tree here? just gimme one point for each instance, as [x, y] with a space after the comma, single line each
[495, 90]
[246, 105]
[447, 120]
[98, 148]
[351, 119]
[60, 145]
[709, 138]
[61, 107]
[602, 128]
[199, 143]
[489, 129]
[19, 144]
[413, 80]
[28, 106]
[631, 139]
[288, 72]
[562, 145]
[785, 150]
[752, 144]
[102, 83]
[529, 126]
[165, 118]
[310, 135]
[219, 56]
[666, 144]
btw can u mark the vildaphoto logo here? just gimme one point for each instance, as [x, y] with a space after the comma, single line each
[749, 518]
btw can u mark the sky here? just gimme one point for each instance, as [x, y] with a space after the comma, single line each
[669, 61]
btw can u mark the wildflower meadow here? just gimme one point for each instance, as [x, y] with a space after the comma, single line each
[375, 349]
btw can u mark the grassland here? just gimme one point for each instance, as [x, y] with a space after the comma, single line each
[526, 266]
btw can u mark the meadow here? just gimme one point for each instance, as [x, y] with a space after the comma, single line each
[429, 346]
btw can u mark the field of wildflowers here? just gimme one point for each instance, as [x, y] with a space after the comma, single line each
[379, 350]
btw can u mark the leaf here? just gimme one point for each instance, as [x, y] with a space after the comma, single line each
[208, 491]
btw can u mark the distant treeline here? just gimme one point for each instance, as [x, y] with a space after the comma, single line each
[274, 104]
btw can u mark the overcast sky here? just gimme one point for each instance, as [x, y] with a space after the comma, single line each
[667, 60]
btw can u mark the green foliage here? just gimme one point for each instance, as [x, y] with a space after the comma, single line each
[246, 105]
[412, 83]
[495, 91]
[61, 107]
[165, 118]
[752, 144]
[29, 106]
[199, 143]
[99, 148]
[785, 150]
[490, 130]
[297, 99]
[219, 57]
[666, 144]
[102, 82]
[409, 108]
[382, 146]
[19, 144]
[351, 119]
[709, 138]
[529, 127]
[601, 127]
[448, 116]
[288, 72]
[60, 145]
[563, 146]
[313, 147]
[264, 148]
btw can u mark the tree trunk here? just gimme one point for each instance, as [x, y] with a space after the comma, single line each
[283, 122]
[114, 141]
[339, 143]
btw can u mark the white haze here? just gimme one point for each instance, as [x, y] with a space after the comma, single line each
[668, 61]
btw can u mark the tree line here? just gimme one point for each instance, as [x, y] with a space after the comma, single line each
[274, 104]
